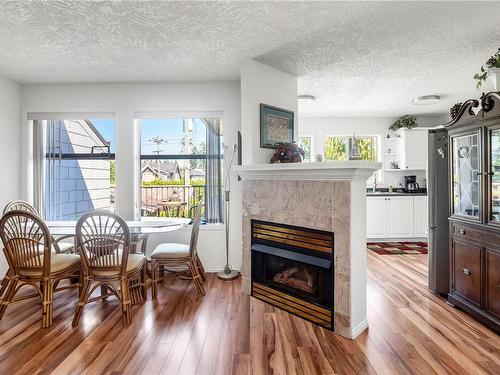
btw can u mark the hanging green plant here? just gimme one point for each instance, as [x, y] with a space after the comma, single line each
[493, 62]
[406, 121]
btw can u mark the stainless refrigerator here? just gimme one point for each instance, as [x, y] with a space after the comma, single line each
[439, 210]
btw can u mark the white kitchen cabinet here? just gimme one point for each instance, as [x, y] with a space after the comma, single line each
[396, 217]
[420, 218]
[415, 149]
[376, 217]
[400, 217]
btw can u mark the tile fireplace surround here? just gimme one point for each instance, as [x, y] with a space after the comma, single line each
[328, 196]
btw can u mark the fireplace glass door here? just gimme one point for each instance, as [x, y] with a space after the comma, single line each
[302, 280]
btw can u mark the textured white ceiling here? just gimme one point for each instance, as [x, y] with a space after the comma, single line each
[358, 59]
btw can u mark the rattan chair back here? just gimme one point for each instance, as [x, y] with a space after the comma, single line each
[27, 242]
[19, 205]
[103, 240]
[193, 243]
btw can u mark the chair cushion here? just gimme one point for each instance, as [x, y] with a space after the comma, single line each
[65, 246]
[58, 262]
[134, 261]
[171, 251]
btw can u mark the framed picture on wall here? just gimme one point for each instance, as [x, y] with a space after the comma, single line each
[276, 125]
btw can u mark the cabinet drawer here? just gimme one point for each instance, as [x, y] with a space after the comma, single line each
[466, 271]
[493, 282]
[465, 231]
[472, 234]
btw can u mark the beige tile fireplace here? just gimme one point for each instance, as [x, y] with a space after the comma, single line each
[328, 196]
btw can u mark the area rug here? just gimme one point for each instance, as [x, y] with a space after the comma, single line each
[384, 248]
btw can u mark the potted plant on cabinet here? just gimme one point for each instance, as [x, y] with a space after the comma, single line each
[406, 121]
[490, 67]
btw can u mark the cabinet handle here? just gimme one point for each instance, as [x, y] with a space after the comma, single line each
[461, 231]
[466, 271]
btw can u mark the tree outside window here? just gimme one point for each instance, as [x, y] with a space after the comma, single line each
[335, 148]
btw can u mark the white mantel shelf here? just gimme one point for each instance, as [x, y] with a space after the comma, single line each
[351, 170]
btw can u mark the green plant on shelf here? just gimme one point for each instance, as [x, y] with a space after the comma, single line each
[406, 121]
[492, 62]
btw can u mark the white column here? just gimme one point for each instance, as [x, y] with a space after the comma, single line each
[358, 255]
[127, 165]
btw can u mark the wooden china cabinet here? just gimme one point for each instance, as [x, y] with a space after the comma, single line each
[474, 168]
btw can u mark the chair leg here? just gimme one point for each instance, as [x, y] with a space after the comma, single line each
[82, 300]
[125, 301]
[47, 303]
[200, 267]
[154, 278]
[5, 282]
[10, 292]
[196, 277]
[145, 281]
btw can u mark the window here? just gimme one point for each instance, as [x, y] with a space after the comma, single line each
[74, 166]
[340, 147]
[181, 167]
[306, 143]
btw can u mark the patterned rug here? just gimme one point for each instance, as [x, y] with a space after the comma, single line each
[384, 248]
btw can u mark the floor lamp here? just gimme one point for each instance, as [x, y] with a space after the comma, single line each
[229, 151]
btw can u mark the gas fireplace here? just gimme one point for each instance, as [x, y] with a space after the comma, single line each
[292, 268]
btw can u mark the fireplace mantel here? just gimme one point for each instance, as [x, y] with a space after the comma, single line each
[351, 170]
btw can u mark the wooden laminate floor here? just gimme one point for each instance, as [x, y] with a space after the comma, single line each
[411, 331]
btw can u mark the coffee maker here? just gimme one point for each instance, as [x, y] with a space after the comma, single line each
[411, 185]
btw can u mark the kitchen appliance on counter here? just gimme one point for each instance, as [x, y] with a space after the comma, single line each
[439, 210]
[411, 185]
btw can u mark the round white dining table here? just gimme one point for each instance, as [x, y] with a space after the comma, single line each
[139, 229]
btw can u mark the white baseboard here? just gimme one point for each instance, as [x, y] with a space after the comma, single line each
[359, 329]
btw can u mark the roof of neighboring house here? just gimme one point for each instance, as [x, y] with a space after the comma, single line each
[165, 167]
[97, 133]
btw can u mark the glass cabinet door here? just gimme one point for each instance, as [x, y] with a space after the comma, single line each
[466, 173]
[494, 173]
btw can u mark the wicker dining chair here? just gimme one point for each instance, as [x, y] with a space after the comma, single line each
[103, 240]
[57, 245]
[27, 246]
[177, 255]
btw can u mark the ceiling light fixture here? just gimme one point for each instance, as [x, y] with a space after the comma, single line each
[306, 98]
[426, 99]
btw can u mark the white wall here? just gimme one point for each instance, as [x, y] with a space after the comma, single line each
[123, 100]
[262, 84]
[319, 127]
[10, 144]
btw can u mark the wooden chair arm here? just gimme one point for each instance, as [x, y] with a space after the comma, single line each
[56, 242]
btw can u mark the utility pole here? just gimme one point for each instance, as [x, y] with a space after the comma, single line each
[158, 141]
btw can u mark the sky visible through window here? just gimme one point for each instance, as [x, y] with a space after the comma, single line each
[169, 129]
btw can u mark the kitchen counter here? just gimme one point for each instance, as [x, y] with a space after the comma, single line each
[394, 194]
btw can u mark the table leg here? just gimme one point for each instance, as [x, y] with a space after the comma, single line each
[104, 290]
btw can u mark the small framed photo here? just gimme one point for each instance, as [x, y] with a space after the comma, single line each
[276, 125]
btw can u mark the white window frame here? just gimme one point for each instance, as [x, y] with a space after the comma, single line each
[312, 145]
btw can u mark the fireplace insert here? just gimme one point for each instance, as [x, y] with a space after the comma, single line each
[292, 268]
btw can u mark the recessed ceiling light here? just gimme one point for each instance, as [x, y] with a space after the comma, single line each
[426, 99]
[306, 98]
